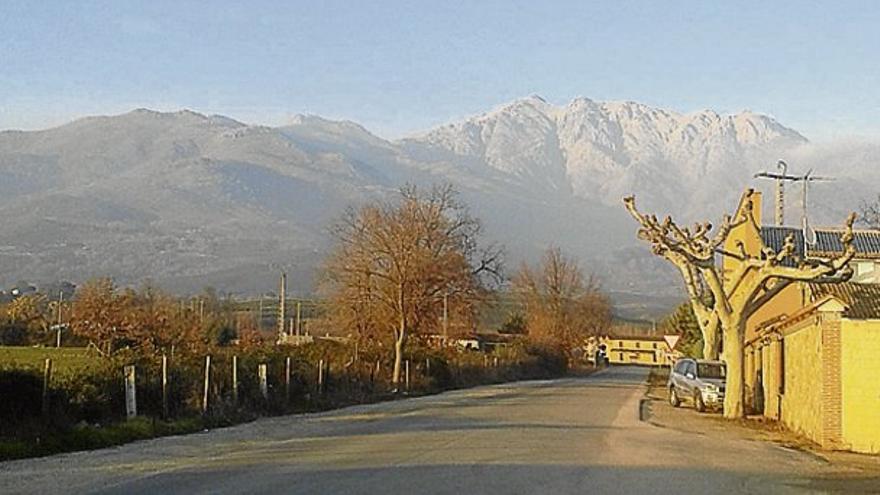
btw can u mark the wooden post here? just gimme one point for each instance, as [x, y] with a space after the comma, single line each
[207, 384]
[130, 392]
[427, 366]
[406, 366]
[47, 377]
[287, 379]
[321, 376]
[164, 386]
[264, 384]
[235, 380]
[495, 362]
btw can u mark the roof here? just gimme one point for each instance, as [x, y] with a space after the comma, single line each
[863, 299]
[866, 242]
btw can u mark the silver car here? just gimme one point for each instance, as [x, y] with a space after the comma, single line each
[698, 381]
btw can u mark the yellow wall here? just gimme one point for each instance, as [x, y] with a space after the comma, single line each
[802, 401]
[791, 299]
[860, 373]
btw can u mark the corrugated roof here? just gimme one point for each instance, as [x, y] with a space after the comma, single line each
[863, 299]
[866, 242]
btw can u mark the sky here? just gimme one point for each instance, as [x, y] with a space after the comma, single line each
[401, 67]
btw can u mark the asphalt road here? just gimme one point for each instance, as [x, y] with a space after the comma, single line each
[578, 435]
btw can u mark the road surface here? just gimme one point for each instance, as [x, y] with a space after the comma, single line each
[577, 435]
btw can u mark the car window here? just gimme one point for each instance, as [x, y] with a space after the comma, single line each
[680, 366]
[710, 370]
[691, 368]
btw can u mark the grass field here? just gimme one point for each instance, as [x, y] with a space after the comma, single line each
[63, 359]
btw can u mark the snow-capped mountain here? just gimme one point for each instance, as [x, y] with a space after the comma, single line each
[190, 200]
[606, 150]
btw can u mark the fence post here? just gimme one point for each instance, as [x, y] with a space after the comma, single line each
[427, 366]
[130, 392]
[207, 384]
[264, 384]
[495, 362]
[47, 376]
[287, 380]
[235, 379]
[164, 386]
[321, 376]
[406, 366]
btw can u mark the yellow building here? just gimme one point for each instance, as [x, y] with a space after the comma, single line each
[813, 351]
[643, 350]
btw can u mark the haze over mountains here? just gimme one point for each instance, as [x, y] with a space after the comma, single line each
[189, 200]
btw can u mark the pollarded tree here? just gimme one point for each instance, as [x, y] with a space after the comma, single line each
[700, 297]
[755, 279]
[395, 262]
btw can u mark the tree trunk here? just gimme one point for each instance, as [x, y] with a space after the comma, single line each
[735, 384]
[710, 342]
[399, 342]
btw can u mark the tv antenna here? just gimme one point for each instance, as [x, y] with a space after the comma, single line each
[781, 178]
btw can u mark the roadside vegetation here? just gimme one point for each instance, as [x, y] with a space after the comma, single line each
[409, 281]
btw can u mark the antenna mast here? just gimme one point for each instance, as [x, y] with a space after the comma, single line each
[808, 232]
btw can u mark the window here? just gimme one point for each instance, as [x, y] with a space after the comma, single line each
[637, 345]
[620, 356]
[710, 370]
[654, 345]
[619, 343]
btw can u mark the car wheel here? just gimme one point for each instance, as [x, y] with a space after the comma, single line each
[673, 397]
[698, 403]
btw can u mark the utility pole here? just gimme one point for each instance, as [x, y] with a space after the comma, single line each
[445, 315]
[58, 324]
[299, 317]
[282, 304]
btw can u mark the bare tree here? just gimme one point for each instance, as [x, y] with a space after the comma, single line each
[754, 279]
[395, 262]
[562, 306]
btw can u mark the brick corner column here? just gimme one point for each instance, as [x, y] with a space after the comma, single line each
[832, 382]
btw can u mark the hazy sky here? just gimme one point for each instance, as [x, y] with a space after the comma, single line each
[400, 67]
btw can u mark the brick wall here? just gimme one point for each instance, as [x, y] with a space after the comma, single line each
[832, 385]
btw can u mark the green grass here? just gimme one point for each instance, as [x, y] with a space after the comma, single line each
[64, 359]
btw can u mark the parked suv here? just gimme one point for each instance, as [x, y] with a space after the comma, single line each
[698, 381]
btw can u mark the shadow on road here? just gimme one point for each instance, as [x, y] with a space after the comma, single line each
[486, 479]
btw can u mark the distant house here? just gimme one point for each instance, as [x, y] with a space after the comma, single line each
[645, 350]
[812, 351]
[475, 341]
